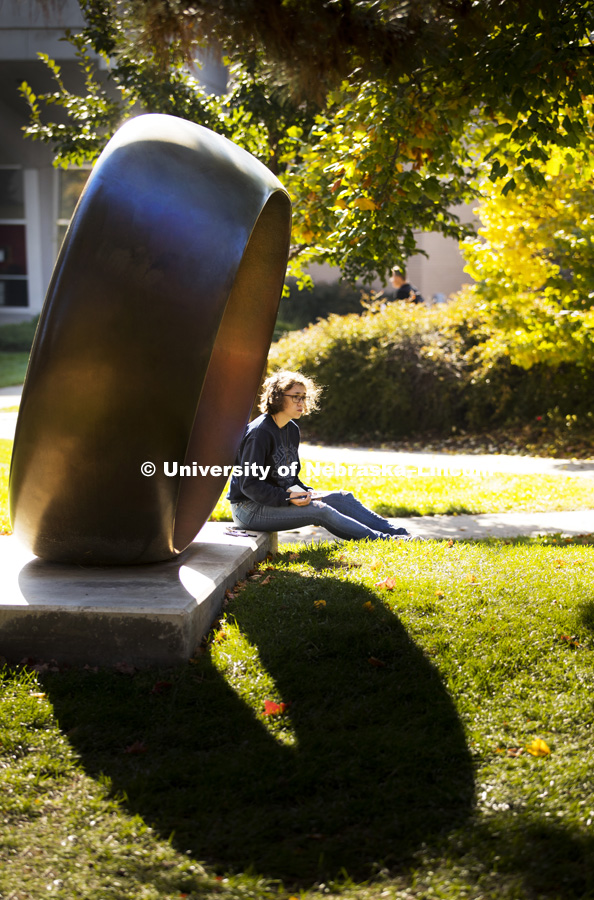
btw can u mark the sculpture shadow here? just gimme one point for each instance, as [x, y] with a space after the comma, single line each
[374, 761]
[541, 858]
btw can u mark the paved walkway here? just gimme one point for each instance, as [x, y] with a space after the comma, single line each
[456, 527]
[9, 397]
[463, 528]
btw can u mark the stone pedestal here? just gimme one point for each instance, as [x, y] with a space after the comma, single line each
[148, 615]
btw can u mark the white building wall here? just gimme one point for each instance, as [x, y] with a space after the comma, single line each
[28, 27]
[437, 275]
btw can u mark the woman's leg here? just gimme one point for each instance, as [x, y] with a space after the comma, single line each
[272, 518]
[348, 505]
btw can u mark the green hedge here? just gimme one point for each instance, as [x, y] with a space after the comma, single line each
[18, 337]
[402, 371]
[302, 308]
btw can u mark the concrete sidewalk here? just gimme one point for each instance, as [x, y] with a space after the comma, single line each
[427, 463]
[9, 397]
[462, 528]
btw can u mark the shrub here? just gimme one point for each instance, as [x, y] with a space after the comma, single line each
[387, 373]
[302, 308]
[400, 371]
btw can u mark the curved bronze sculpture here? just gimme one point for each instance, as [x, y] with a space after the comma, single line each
[150, 347]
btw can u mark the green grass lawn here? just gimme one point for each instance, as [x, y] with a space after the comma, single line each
[13, 368]
[397, 721]
[419, 495]
[456, 494]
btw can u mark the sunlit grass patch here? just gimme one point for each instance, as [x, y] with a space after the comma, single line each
[450, 494]
[473, 494]
[238, 661]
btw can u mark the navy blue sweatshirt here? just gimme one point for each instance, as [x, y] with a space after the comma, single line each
[264, 450]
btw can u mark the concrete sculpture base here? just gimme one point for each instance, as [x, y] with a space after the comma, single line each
[153, 615]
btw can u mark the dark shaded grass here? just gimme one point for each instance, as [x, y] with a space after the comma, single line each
[378, 766]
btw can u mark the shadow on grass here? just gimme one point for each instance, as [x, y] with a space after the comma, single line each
[530, 857]
[379, 763]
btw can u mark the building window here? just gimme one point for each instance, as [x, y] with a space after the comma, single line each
[13, 247]
[70, 185]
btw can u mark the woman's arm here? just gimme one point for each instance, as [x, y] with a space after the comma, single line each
[256, 459]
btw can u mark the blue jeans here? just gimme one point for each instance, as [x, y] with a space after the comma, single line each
[339, 512]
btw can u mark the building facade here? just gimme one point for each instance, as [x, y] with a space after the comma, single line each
[33, 194]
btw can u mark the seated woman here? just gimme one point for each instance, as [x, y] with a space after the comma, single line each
[269, 495]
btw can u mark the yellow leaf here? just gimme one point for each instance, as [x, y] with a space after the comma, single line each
[340, 203]
[538, 748]
[365, 203]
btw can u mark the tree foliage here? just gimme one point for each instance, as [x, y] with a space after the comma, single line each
[374, 113]
[534, 262]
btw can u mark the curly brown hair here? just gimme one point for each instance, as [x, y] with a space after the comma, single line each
[276, 386]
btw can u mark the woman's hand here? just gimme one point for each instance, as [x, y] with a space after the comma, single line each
[300, 499]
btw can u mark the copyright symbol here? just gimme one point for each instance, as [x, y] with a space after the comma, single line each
[148, 468]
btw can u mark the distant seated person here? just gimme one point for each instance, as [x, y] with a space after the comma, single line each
[403, 289]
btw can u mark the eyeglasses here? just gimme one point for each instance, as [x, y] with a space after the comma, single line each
[298, 398]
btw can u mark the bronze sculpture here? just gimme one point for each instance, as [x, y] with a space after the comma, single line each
[150, 347]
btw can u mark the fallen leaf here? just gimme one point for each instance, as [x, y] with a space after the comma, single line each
[373, 661]
[123, 668]
[570, 639]
[439, 594]
[514, 751]
[160, 687]
[388, 583]
[537, 747]
[136, 747]
[274, 709]
[369, 606]
[266, 580]
[319, 604]
[293, 556]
